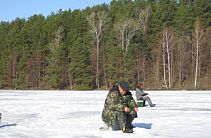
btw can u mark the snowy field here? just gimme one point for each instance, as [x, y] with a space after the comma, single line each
[77, 114]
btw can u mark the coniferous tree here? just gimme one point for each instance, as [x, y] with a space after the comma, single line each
[203, 12]
[14, 49]
[4, 28]
[80, 68]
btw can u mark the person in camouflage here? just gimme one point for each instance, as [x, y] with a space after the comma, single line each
[120, 107]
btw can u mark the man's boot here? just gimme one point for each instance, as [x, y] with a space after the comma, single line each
[129, 125]
[122, 122]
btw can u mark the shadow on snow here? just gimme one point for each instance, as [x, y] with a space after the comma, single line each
[8, 125]
[143, 125]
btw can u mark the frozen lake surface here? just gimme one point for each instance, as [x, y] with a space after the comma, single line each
[77, 114]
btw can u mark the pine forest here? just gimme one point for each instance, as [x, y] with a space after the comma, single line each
[162, 44]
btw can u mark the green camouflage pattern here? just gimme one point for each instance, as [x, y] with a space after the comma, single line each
[131, 104]
[114, 106]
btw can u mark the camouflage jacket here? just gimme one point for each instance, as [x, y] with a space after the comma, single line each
[115, 104]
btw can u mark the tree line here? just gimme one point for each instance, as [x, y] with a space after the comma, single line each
[162, 44]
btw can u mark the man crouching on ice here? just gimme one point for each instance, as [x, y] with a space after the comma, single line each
[119, 108]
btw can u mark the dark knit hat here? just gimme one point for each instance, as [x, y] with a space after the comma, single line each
[124, 85]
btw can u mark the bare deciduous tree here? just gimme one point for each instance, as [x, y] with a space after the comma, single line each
[143, 19]
[167, 42]
[98, 23]
[196, 41]
[126, 29]
[54, 45]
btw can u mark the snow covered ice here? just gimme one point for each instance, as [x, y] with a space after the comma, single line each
[77, 114]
